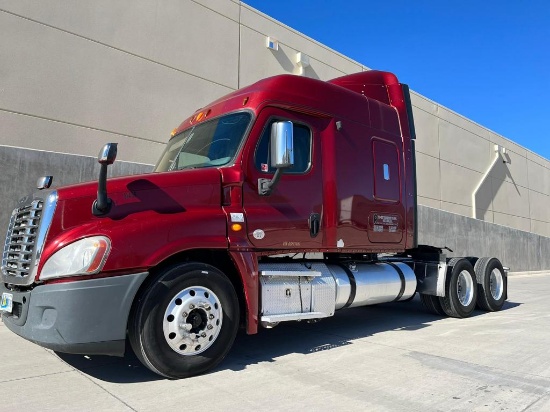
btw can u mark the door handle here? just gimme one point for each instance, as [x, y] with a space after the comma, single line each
[314, 224]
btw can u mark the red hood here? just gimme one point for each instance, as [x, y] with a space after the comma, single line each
[157, 213]
[163, 193]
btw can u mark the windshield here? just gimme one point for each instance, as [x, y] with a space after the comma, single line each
[212, 143]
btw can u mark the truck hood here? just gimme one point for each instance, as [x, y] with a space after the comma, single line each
[153, 216]
[158, 193]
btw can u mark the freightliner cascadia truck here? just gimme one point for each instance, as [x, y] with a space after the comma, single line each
[283, 201]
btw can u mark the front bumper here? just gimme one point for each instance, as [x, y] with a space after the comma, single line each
[84, 317]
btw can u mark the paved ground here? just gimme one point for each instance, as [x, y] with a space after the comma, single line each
[390, 357]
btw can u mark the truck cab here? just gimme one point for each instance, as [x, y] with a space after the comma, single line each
[286, 200]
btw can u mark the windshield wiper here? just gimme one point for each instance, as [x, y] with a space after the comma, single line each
[187, 140]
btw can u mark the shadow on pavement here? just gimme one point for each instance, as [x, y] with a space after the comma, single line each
[510, 305]
[291, 337]
[337, 331]
[111, 368]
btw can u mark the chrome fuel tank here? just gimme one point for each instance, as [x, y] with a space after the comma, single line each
[360, 284]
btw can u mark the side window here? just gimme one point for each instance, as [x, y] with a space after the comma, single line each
[302, 150]
[386, 171]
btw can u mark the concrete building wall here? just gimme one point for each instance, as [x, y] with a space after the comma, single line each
[517, 249]
[77, 75]
[454, 155]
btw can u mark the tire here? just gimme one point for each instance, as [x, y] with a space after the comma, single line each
[206, 303]
[460, 289]
[432, 304]
[492, 284]
[408, 299]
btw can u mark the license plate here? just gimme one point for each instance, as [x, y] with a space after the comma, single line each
[6, 305]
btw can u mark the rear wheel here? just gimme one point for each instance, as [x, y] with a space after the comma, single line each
[460, 289]
[185, 322]
[491, 283]
[432, 304]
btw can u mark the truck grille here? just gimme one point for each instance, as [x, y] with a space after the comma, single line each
[25, 237]
[21, 239]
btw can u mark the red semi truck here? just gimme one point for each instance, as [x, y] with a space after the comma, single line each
[283, 201]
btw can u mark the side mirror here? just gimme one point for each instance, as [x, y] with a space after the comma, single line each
[107, 155]
[44, 182]
[282, 154]
[282, 145]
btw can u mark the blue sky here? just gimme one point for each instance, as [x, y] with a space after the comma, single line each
[487, 60]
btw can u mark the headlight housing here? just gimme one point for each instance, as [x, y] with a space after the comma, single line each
[83, 257]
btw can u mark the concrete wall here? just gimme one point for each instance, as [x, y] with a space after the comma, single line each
[74, 76]
[454, 155]
[517, 249]
[26, 165]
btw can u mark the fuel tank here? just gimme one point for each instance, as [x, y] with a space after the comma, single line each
[311, 290]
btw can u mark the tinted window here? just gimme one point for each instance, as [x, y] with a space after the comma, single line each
[302, 150]
[209, 144]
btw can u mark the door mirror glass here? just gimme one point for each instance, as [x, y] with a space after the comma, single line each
[282, 145]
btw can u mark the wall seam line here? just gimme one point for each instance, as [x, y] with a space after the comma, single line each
[485, 221]
[117, 49]
[214, 11]
[72, 154]
[476, 171]
[80, 125]
[239, 49]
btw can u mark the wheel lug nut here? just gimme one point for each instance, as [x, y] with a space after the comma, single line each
[210, 316]
[184, 314]
[210, 326]
[203, 335]
[191, 306]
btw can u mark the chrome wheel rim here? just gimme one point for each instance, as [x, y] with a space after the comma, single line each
[465, 288]
[192, 320]
[496, 284]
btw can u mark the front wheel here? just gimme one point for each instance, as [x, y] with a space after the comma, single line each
[185, 322]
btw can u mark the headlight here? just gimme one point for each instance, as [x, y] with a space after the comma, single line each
[83, 257]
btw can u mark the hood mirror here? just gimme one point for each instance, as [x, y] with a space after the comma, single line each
[44, 182]
[107, 155]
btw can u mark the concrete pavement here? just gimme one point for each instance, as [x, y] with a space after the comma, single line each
[390, 357]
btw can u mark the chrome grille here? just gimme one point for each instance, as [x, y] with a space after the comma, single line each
[27, 231]
[20, 246]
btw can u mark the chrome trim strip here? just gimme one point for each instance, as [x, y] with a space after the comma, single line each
[47, 217]
[294, 316]
[292, 273]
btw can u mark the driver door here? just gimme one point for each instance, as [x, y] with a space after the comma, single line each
[283, 219]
